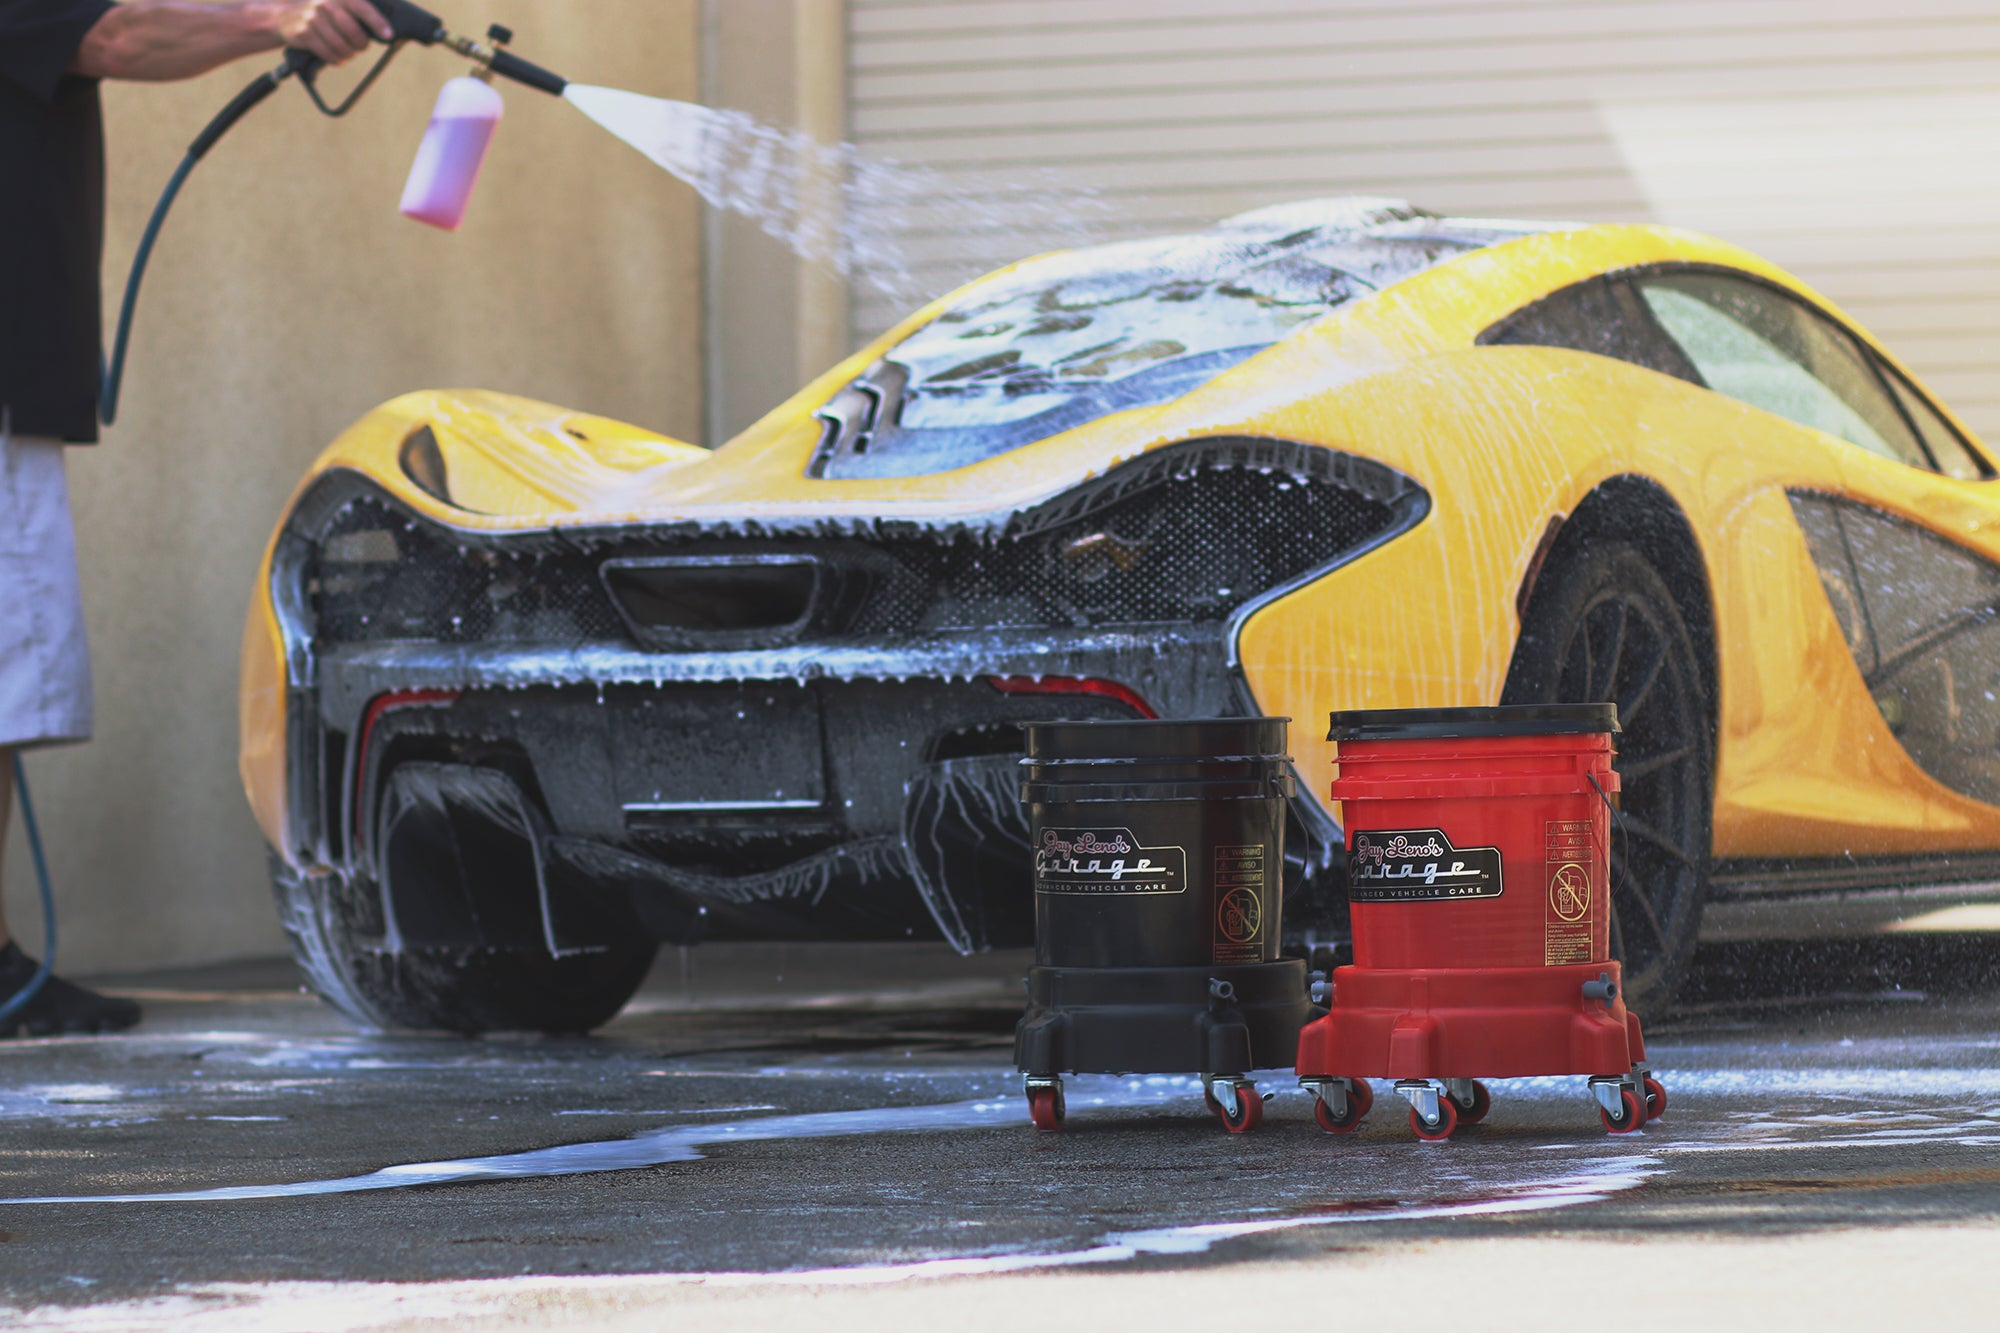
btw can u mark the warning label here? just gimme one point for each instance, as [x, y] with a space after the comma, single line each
[1239, 903]
[1567, 935]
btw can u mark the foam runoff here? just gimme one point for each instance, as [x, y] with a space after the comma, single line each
[1555, 1186]
[258, 1305]
[834, 205]
[679, 1143]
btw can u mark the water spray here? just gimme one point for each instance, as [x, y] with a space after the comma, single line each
[447, 162]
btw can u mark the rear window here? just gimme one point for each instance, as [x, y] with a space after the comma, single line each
[1066, 340]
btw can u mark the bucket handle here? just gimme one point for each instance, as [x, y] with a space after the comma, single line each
[1617, 820]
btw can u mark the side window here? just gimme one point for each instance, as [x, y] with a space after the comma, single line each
[1762, 348]
[1954, 456]
[1601, 315]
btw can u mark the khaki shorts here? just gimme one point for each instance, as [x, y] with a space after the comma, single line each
[44, 657]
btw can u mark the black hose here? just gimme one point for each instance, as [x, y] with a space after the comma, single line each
[19, 999]
[259, 88]
[107, 397]
[407, 23]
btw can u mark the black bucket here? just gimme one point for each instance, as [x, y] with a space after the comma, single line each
[1159, 851]
[1157, 844]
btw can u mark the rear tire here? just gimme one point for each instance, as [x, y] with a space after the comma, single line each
[468, 989]
[1603, 626]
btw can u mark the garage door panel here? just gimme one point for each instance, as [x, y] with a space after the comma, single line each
[1166, 114]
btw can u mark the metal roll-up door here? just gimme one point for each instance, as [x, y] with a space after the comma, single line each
[1850, 140]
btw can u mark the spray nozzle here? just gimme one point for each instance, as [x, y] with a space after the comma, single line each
[491, 58]
[496, 59]
[408, 22]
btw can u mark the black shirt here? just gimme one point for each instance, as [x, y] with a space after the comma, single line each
[51, 220]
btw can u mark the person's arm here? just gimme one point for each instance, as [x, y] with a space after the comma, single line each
[159, 40]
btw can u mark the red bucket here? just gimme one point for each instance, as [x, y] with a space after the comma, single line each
[1478, 852]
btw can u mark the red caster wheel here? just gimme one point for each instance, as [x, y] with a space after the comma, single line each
[1045, 1107]
[1482, 1102]
[1656, 1098]
[1631, 1117]
[1442, 1129]
[1359, 1098]
[1249, 1108]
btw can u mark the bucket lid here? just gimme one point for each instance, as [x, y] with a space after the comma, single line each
[1157, 738]
[1410, 724]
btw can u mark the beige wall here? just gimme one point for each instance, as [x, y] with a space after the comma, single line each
[286, 297]
[774, 321]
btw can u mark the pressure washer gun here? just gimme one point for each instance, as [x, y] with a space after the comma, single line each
[447, 162]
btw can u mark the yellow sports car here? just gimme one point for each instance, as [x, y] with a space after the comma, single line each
[526, 691]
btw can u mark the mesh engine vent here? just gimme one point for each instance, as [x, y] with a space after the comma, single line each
[1189, 534]
[383, 576]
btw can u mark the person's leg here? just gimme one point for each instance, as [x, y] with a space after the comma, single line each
[6, 818]
[44, 695]
[59, 1006]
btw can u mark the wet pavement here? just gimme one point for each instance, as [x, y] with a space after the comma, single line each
[786, 1114]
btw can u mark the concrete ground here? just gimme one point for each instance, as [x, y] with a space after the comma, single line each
[835, 1134]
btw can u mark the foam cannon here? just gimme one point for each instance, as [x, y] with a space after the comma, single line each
[448, 159]
[467, 112]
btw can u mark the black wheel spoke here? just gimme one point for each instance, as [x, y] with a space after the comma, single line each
[1635, 770]
[1629, 707]
[1635, 892]
[1645, 832]
[1571, 688]
[1600, 688]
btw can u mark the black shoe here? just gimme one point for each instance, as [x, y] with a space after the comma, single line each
[58, 1006]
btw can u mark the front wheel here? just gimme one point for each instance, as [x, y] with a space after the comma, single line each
[1604, 627]
[1631, 1117]
[1359, 1098]
[1045, 1107]
[1436, 1131]
[1247, 1112]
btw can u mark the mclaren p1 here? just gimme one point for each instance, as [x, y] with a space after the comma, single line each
[527, 691]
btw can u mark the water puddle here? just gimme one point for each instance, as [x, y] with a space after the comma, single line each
[1591, 1182]
[686, 1142]
[318, 1304]
[680, 1143]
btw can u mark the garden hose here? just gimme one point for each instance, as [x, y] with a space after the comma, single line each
[19, 999]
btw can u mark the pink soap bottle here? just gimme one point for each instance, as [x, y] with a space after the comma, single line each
[447, 165]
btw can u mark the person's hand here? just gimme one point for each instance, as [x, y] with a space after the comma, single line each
[333, 30]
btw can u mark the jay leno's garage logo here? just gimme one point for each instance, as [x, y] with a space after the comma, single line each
[1106, 860]
[1418, 865]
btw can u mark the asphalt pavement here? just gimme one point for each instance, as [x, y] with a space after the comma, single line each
[840, 1125]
